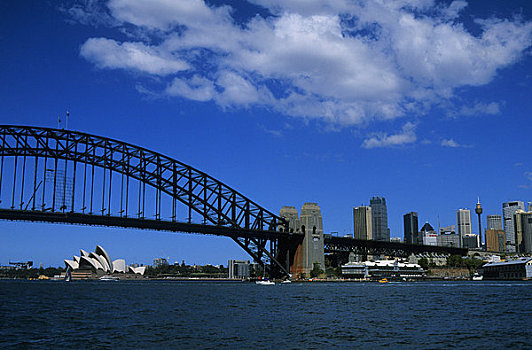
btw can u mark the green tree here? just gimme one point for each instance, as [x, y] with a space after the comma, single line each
[316, 270]
[424, 263]
[454, 261]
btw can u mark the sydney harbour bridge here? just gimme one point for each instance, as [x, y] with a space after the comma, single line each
[64, 176]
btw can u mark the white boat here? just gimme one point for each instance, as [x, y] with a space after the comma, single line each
[265, 283]
[109, 278]
[286, 282]
[477, 277]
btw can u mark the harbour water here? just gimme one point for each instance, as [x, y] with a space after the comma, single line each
[229, 315]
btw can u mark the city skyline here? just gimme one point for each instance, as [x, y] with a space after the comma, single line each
[286, 103]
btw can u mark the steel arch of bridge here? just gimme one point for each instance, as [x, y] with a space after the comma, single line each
[65, 163]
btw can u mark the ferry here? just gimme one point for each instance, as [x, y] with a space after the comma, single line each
[109, 278]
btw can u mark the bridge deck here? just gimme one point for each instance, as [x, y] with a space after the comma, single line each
[345, 244]
[146, 224]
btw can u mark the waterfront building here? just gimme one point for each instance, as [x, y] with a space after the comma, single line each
[238, 269]
[312, 226]
[159, 262]
[363, 224]
[508, 211]
[379, 216]
[523, 232]
[495, 240]
[463, 223]
[470, 241]
[290, 213]
[448, 230]
[518, 269]
[494, 222]
[448, 240]
[378, 269]
[410, 221]
[99, 263]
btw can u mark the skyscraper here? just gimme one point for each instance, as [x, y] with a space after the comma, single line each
[427, 235]
[379, 215]
[494, 222]
[362, 223]
[290, 213]
[523, 232]
[410, 228]
[508, 211]
[463, 223]
[495, 241]
[312, 225]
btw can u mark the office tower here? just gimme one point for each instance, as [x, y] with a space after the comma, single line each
[312, 226]
[508, 211]
[379, 215]
[494, 222]
[495, 240]
[470, 241]
[478, 211]
[523, 232]
[463, 223]
[427, 235]
[448, 240]
[363, 223]
[290, 214]
[410, 228]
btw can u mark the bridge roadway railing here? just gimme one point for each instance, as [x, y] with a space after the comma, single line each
[335, 244]
[73, 177]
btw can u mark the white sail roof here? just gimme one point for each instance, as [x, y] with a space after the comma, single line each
[100, 251]
[119, 265]
[72, 264]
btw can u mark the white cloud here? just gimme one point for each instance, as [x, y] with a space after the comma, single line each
[340, 61]
[236, 90]
[106, 53]
[449, 143]
[453, 144]
[406, 136]
[475, 109]
[197, 88]
[480, 108]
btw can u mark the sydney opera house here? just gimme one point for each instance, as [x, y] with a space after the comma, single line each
[98, 263]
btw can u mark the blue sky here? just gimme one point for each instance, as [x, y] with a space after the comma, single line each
[426, 103]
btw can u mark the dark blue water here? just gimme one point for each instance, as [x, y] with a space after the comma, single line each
[201, 315]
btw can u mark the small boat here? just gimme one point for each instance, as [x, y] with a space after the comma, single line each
[265, 283]
[477, 277]
[286, 282]
[109, 278]
[383, 280]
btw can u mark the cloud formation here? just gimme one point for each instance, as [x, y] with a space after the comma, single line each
[340, 61]
[406, 136]
[453, 144]
[477, 109]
